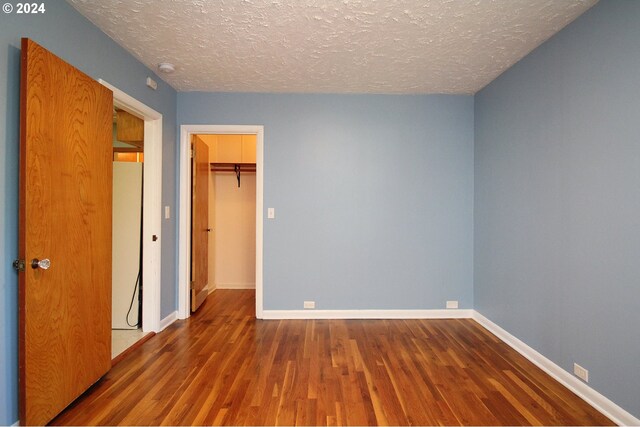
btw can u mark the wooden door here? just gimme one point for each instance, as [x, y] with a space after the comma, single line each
[199, 223]
[65, 217]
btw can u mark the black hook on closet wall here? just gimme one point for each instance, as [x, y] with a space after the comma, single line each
[237, 169]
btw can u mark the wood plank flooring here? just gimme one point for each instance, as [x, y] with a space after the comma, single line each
[223, 367]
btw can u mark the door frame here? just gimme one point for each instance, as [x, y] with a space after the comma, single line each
[184, 234]
[151, 202]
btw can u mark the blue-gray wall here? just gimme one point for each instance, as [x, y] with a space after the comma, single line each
[70, 36]
[557, 199]
[373, 196]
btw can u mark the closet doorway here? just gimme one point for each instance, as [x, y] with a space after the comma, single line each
[224, 181]
[126, 297]
[151, 242]
[223, 233]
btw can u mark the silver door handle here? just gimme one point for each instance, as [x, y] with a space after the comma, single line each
[43, 264]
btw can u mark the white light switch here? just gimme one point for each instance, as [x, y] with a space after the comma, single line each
[271, 213]
[167, 212]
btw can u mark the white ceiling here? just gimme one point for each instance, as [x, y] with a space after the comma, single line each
[331, 46]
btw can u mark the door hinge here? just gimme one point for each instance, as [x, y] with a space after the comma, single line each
[18, 265]
[191, 153]
[192, 285]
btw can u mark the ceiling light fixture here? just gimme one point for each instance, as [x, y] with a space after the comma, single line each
[166, 67]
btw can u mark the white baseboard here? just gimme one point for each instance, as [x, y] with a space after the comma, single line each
[608, 408]
[16, 424]
[164, 323]
[367, 314]
[235, 285]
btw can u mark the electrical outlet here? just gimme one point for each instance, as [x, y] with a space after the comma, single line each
[581, 372]
[452, 304]
[271, 213]
[309, 304]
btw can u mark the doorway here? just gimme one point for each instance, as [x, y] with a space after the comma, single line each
[231, 210]
[126, 295]
[152, 205]
[187, 133]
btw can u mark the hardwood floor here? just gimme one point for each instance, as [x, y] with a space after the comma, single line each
[223, 367]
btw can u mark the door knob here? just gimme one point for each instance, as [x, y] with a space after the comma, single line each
[208, 230]
[43, 264]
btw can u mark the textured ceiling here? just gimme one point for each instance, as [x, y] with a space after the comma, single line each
[331, 46]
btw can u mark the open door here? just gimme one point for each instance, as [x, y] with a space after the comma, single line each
[65, 234]
[199, 224]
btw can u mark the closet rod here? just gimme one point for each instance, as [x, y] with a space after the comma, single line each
[237, 168]
[231, 167]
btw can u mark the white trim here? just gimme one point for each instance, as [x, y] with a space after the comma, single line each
[608, 408]
[259, 219]
[16, 424]
[235, 286]
[367, 314]
[184, 186]
[152, 202]
[167, 321]
[130, 104]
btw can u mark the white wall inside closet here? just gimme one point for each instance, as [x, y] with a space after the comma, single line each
[234, 233]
